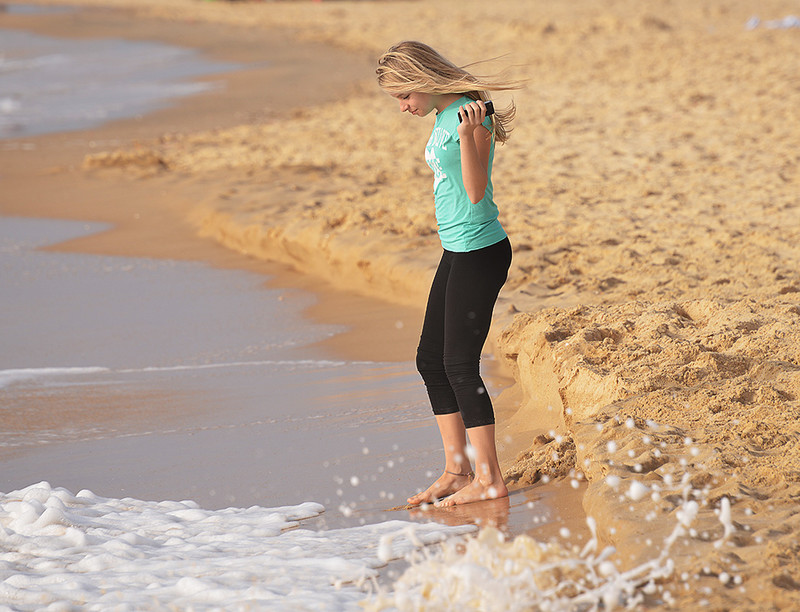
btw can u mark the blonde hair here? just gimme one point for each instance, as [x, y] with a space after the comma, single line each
[412, 66]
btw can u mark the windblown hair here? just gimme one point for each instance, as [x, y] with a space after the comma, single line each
[412, 66]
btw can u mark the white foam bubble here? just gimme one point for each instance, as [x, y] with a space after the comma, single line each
[11, 376]
[726, 520]
[38, 375]
[637, 490]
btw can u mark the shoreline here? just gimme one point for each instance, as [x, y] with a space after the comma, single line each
[150, 220]
[654, 299]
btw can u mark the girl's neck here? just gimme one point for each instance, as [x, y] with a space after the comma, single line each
[442, 101]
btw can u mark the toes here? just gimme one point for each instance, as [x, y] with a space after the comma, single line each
[443, 490]
[421, 498]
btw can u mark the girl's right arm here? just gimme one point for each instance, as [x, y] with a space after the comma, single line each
[475, 141]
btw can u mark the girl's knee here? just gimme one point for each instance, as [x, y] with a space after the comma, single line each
[461, 372]
[430, 365]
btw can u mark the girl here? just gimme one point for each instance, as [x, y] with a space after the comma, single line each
[473, 267]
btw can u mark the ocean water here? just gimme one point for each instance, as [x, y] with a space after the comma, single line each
[199, 378]
[33, 9]
[148, 379]
[54, 85]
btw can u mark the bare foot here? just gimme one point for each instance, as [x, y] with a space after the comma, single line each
[474, 492]
[445, 485]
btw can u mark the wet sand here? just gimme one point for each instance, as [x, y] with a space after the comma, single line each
[650, 189]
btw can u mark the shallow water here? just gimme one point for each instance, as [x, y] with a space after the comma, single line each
[169, 380]
[51, 84]
[33, 9]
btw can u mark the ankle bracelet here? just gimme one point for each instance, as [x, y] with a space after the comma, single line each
[470, 474]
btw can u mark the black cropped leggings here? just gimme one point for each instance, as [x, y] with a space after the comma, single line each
[456, 324]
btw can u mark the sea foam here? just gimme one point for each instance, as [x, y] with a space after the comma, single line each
[11, 376]
[63, 550]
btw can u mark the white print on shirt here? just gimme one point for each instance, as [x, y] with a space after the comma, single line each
[433, 162]
[437, 139]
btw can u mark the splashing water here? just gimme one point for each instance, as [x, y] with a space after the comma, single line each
[488, 572]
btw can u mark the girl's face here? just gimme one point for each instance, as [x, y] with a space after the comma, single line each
[416, 103]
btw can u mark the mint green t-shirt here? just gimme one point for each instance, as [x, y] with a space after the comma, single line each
[463, 226]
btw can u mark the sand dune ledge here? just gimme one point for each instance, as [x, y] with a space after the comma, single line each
[652, 193]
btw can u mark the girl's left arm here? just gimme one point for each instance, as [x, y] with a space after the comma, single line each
[476, 143]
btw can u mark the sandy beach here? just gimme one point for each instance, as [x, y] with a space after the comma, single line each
[650, 189]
